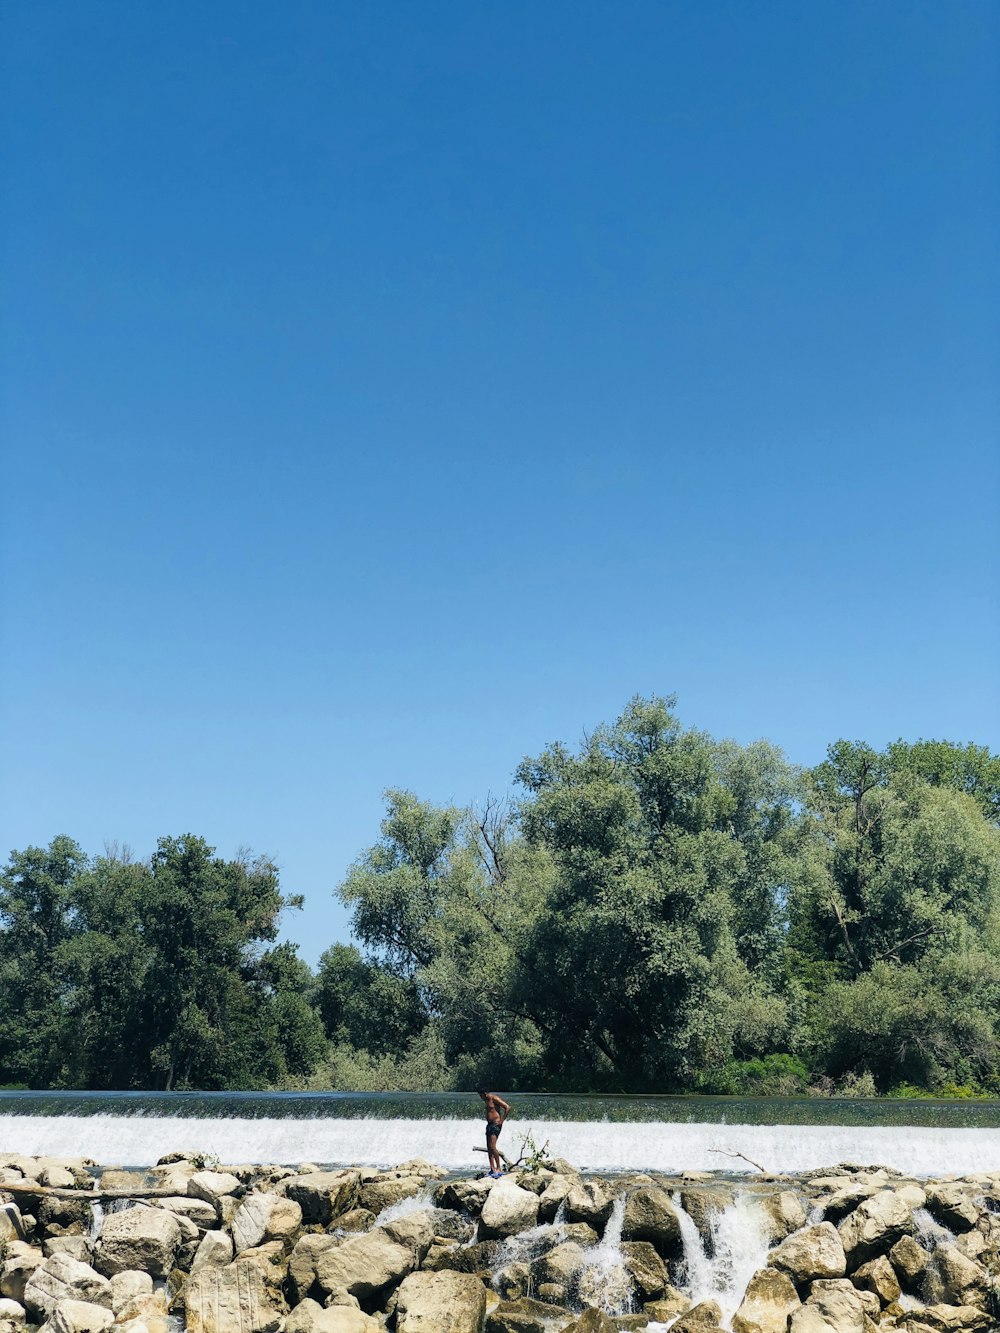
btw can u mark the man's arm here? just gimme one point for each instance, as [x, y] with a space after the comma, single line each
[504, 1108]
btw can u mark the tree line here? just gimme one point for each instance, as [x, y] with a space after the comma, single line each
[655, 910]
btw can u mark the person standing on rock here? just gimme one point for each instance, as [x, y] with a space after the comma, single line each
[497, 1111]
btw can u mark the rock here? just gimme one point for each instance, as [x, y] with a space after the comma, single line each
[879, 1276]
[646, 1269]
[588, 1201]
[784, 1213]
[310, 1317]
[64, 1279]
[769, 1301]
[56, 1177]
[952, 1204]
[650, 1215]
[303, 1260]
[322, 1195]
[377, 1195]
[875, 1226]
[465, 1196]
[364, 1265]
[440, 1303]
[667, 1307]
[591, 1321]
[77, 1247]
[20, 1261]
[212, 1185]
[79, 1317]
[272, 1263]
[355, 1219]
[127, 1287]
[479, 1258]
[507, 1211]
[11, 1225]
[957, 1318]
[512, 1282]
[202, 1214]
[560, 1266]
[704, 1206]
[262, 1217]
[415, 1230]
[814, 1252]
[705, 1317]
[523, 1316]
[960, 1281]
[144, 1238]
[909, 1260]
[229, 1300]
[215, 1251]
[552, 1196]
[11, 1312]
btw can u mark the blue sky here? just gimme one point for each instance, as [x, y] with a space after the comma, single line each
[391, 389]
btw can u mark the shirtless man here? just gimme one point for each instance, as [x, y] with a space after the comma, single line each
[497, 1111]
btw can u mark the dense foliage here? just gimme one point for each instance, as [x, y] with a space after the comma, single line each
[658, 910]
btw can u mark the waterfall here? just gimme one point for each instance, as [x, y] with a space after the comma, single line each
[740, 1242]
[603, 1280]
[931, 1233]
[414, 1203]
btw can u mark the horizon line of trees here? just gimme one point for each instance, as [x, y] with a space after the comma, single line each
[657, 910]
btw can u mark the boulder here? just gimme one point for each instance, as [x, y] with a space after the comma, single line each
[212, 1185]
[832, 1307]
[667, 1307]
[144, 1238]
[322, 1195]
[11, 1312]
[263, 1217]
[813, 1252]
[591, 1321]
[479, 1258]
[560, 1265]
[310, 1317]
[215, 1251]
[303, 1260]
[875, 1226]
[20, 1261]
[377, 1195]
[440, 1303]
[229, 1300]
[959, 1281]
[127, 1287]
[64, 1279]
[952, 1203]
[11, 1225]
[202, 1214]
[589, 1201]
[703, 1206]
[705, 1317]
[769, 1300]
[645, 1268]
[879, 1276]
[507, 1211]
[909, 1260]
[650, 1215]
[523, 1316]
[364, 1266]
[956, 1319]
[552, 1196]
[784, 1214]
[465, 1196]
[79, 1317]
[77, 1247]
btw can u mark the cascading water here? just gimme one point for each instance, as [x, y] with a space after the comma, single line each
[603, 1280]
[740, 1242]
[414, 1204]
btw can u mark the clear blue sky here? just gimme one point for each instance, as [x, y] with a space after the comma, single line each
[390, 389]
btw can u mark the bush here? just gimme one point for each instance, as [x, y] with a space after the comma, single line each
[778, 1075]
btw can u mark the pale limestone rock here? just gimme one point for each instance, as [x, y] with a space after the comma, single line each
[588, 1201]
[143, 1238]
[953, 1204]
[11, 1312]
[364, 1265]
[784, 1213]
[229, 1300]
[769, 1301]
[127, 1286]
[814, 1252]
[910, 1261]
[62, 1278]
[215, 1251]
[507, 1211]
[310, 1317]
[20, 1261]
[875, 1226]
[440, 1303]
[878, 1276]
[322, 1194]
[79, 1317]
[212, 1185]
[650, 1215]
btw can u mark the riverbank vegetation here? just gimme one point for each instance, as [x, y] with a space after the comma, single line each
[656, 910]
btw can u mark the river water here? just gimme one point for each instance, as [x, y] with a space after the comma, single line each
[595, 1133]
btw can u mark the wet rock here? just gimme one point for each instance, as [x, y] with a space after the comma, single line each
[875, 1226]
[303, 1260]
[465, 1196]
[11, 1224]
[364, 1266]
[784, 1213]
[444, 1302]
[512, 1282]
[144, 1238]
[524, 1316]
[878, 1276]
[479, 1258]
[910, 1261]
[508, 1210]
[646, 1269]
[650, 1215]
[559, 1266]
[705, 1206]
[769, 1300]
[355, 1219]
[953, 1204]
[959, 1281]
[229, 1300]
[377, 1195]
[589, 1201]
[553, 1195]
[815, 1252]
[322, 1195]
[667, 1307]
[415, 1230]
[705, 1317]
[60, 1279]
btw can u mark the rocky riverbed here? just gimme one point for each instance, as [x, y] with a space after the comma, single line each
[274, 1249]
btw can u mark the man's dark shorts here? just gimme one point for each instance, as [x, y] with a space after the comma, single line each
[492, 1130]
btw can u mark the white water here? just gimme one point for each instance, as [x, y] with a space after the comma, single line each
[740, 1241]
[137, 1140]
[602, 1280]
